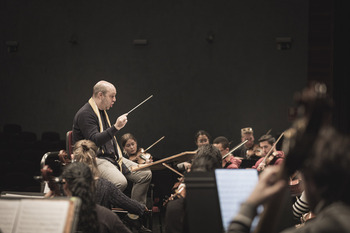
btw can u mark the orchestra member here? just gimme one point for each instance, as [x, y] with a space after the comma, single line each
[92, 122]
[223, 145]
[132, 151]
[247, 151]
[106, 194]
[202, 137]
[79, 182]
[206, 159]
[275, 158]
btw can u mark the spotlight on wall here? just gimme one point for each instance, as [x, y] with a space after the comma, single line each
[284, 43]
[12, 46]
[210, 37]
[140, 42]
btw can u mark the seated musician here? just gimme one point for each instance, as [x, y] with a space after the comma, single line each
[207, 158]
[275, 158]
[79, 182]
[247, 151]
[106, 194]
[132, 151]
[223, 145]
[326, 173]
[202, 137]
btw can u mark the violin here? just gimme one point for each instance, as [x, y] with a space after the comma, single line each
[269, 156]
[64, 157]
[46, 173]
[179, 191]
[141, 157]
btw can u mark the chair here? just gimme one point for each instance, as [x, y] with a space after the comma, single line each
[69, 142]
[51, 159]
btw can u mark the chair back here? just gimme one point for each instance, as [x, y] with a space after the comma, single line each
[69, 142]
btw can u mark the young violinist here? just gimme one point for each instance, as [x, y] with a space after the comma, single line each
[132, 151]
[266, 142]
[223, 145]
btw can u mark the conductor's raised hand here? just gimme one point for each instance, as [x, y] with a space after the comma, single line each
[121, 121]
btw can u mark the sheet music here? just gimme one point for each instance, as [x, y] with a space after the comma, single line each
[41, 216]
[234, 186]
[8, 212]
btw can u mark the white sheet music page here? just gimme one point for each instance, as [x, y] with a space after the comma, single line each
[39, 216]
[8, 213]
[234, 186]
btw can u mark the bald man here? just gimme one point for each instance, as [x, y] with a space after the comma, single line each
[91, 122]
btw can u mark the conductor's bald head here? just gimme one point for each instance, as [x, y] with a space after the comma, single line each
[102, 86]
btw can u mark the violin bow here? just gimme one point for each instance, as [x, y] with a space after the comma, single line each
[272, 147]
[235, 148]
[160, 139]
[172, 169]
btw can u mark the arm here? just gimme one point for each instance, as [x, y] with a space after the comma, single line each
[87, 122]
[235, 163]
[267, 188]
[116, 198]
[258, 163]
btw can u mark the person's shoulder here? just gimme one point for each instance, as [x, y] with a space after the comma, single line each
[85, 111]
[85, 108]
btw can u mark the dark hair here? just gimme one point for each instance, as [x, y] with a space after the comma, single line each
[202, 132]
[328, 166]
[207, 158]
[125, 138]
[267, 137]
[80, 183]
[223, 141]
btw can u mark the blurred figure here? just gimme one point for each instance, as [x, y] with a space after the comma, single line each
[327, 187]
[79, 182]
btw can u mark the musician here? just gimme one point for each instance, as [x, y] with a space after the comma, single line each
[202, 137]
[206, 159]
[106, 194]
[229, 161]
[247, 151]
[326, 173]
[79, 182]
[266, 142]
[92, 122]
[132, 151]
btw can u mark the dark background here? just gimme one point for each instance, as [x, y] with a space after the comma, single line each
[237, 79]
